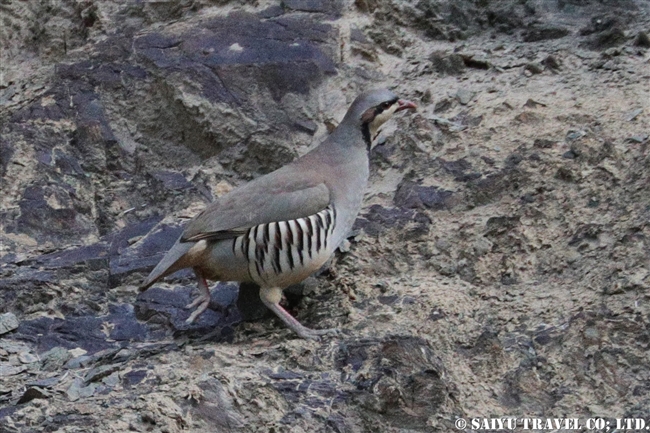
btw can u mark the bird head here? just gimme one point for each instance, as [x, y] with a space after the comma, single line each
[373, 108]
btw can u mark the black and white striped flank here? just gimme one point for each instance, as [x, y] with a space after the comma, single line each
[282, 247]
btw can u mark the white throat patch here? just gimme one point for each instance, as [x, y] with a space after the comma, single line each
[380, 119]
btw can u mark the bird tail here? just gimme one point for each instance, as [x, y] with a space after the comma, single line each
[169, 264]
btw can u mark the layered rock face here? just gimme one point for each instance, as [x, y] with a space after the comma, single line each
[500, 266]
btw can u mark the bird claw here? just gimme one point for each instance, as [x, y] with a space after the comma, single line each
[316, 334]
[201, 303]
[197, 301]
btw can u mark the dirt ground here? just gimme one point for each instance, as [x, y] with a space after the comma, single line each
[500, 265]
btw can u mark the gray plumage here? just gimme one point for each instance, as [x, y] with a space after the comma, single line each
[281, 227]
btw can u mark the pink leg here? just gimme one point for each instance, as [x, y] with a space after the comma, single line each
[271, 298]
[202, 301]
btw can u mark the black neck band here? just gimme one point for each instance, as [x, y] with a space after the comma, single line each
[365, 131]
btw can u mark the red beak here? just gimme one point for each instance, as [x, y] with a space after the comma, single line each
[404, 104]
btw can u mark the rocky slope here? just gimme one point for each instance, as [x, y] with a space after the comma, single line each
[500, 267]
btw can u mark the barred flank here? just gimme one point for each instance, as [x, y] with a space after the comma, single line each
[280, 247]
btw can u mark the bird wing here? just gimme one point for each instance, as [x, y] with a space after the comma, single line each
[267, 199]
[294, 191]
[270, 198]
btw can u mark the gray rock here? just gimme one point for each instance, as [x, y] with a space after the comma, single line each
[217, 407]
[573, 135]
[465, 96]
[77, 390]
[326, 7]
[45, 383]
[8, 322]
[13, 347]
[78, 362]
[307, 126]
[447, 64]
[543, 143]
[606, 32]
[55, 358]
[542, 33]
[442, 106]
[99, 373]
[642, 40]
[412, 196]
[633, 114]
[31, 393]
[171, 180]
[27, 358]
[378, 219]
[134, 377]
[111, 380]
[8, 369]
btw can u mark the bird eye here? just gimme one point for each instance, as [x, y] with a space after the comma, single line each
[385, 105]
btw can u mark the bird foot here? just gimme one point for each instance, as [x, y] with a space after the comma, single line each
[271, 298]
[201, 303]
[315, 334]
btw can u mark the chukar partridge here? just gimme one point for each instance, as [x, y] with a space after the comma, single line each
[281, 227]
